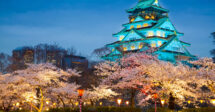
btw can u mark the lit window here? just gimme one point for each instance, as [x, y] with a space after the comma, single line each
[150, 33]
[156, 1]
[138, 26]
[112, 49]
[163, 34]
[132, 47]
[147, 17]
[125, 48]
[132, 19]
[131, 27]
[121, 37]
[153, 44]
[152, 17]
[140, 46]
[159, 43]
[159, 33]
[145, 25]
[143, 11]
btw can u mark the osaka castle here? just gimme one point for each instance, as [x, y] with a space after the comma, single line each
[149, 27]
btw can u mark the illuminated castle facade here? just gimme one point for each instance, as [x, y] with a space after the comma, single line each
[149, 27]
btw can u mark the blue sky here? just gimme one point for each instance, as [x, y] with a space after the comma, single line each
[89, 24]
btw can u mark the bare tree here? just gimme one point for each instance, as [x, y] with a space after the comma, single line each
[71, 51]
[5, 61]
[213, 50]
[101, 51]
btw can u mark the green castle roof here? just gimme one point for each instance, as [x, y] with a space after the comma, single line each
[144, 4]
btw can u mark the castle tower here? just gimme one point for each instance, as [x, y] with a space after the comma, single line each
[149, 27]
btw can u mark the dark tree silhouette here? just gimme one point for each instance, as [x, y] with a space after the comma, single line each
[213, 50]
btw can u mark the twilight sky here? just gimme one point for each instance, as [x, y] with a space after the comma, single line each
[89, 24]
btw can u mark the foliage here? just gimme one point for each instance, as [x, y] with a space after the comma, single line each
[36, 85]
[150, 76]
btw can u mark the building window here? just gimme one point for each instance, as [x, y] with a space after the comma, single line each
[132, 19]
[121, 37]
[125, 48]
[150, 33]
[159, 43]
[145, 25]
[140, 46]
[152, 17]
[147, 17]
[132, 47]
[153, 44]
[138, 26]
[159, 33]
[132, 26]
[164, 34]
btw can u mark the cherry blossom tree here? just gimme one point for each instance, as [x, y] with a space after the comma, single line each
[146, 76]
[35, 84]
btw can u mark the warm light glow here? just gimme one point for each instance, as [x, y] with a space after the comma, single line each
[153, 44]
[159, 33]
[152, 17]
[47, 109]
[100, 103]
[80, 92]
[125, 49]
[127, 102]
[119, 101]
[138, 26]
[132, 19]
[145, 25]
[20, 108]
[54, 104]
[150, 33]
[213, 101]
[121, 37]
[17, 104]
[201, 101]
[140, 46]
[76, 103]
[47, 102]
[162, 102]
[132, 47]
[147, 17]
[131, 27]
[163, 34]
[159, 43]
[156, 1]
[188, 101]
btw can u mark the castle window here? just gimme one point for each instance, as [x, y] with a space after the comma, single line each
[132, 26]
[125, 48]
[140, 46]
[138, 26]
[153, 44]
[163, 34]
[121, 37]
[159, 33]
[132, 47]
[150, 33]
[147, 17]
[145, 25]
[132, 19]
[159, 43]
[152, 17]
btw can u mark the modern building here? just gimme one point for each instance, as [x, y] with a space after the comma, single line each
[23, 55]
[149, 27]
[71, 61]
[56, 56]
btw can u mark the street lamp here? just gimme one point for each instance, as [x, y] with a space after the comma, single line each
[80, 94]
[127, 103]
[119, 101]
[155, 97]
[162, 102]
[213, 101]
